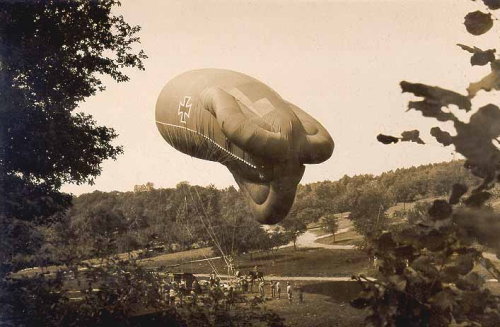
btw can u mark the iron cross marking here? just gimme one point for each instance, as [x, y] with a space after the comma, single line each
[184, 109]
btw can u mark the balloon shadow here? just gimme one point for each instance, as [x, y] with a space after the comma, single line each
[337, 291]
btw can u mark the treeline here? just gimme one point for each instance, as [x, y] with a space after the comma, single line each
[400, 185]
[367, 197]
[159, 220]
[186, 216]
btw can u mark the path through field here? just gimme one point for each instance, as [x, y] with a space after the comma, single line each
[305, 240]
[308, 240]
[288, 278]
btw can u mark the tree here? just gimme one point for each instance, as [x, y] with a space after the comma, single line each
[368, 212]
[293, 226]
[52, 55]
[415, 214]
[278, 237]
[428, 274]
[330, 224]
[309, 214]
[98, 229]
[237, 231]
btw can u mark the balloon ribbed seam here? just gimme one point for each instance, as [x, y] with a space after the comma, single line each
[210, 140]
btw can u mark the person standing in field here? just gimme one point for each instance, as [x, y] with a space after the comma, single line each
[194, 297]
[273, 289]
[172, 295]
[230, 298]
[164, 290]
[244, 285]
[278, 289]
[289, 291]
[300, 293]
[261, 289]
[211, 279]
[196, 287]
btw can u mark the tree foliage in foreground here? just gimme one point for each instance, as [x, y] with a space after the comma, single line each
[427, 275]
[52, 56]
[118, 292]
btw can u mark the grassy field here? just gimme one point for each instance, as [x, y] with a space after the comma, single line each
[325, 304]
[177, 258]
[284, 262]
[349, 237]
[343, 222]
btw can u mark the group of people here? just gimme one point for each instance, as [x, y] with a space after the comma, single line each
[275, 286]
[276, 291]
[178, 294]
[175, 292]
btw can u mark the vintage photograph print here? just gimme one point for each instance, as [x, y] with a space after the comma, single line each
[300, 163]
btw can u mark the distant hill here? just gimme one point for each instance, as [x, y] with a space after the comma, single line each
[172, 218]
[400, 185]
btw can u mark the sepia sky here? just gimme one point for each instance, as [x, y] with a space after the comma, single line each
[341, 61]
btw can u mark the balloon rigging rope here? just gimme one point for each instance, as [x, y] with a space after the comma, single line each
[210, 230]
[192, 236]
[227, 156]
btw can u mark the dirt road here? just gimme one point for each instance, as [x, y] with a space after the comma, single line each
[308, 240]
[294, 278]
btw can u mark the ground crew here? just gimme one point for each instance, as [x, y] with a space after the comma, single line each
[244, 285]
[194, 297]
[278, 289]
[164, 289]
[181, 291]
[211, 279]
[273, 289]
[172, 294]
[196, 287]
[229, 298]
[261, 289]
[289, 291]
[300, 293]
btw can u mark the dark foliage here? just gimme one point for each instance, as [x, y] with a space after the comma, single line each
[479, 57]
[52, 54]
[387, 139]
[478, 23]
[426, 268]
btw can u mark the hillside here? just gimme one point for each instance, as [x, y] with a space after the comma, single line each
[185, 217]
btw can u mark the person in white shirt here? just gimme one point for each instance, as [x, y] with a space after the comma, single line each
[172, 295]
[289, 291]
[261, 289]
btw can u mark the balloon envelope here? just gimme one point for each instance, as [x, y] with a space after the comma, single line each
[234, 119]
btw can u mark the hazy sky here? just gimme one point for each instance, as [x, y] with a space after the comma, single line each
[341, 61]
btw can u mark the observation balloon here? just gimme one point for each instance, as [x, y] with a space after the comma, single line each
[234, 119]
